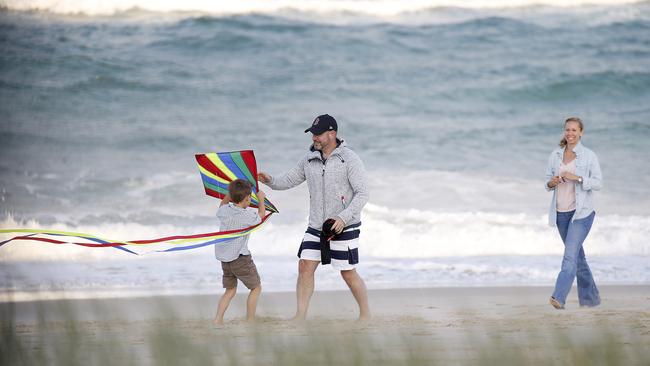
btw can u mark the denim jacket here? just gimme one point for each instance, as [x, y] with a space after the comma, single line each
[588, 168]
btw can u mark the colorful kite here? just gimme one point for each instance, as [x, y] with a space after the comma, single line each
[217, 170]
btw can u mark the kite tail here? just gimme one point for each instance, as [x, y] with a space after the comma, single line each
[176, 242]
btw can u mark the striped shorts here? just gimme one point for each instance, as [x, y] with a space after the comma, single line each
[344, 247]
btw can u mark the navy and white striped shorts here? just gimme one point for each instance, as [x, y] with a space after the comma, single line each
[344, 247]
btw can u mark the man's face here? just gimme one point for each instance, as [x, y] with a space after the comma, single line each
[324, 140]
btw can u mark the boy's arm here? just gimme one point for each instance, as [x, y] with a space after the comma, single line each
[225, 200]
[261, 209]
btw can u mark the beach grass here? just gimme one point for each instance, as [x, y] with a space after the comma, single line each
[170, 339]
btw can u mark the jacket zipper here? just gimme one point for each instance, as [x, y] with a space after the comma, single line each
[323, 189]
[324, 162]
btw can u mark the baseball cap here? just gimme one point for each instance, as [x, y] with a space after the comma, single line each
[323, 123]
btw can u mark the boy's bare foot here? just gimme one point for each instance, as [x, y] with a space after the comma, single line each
[217, 323]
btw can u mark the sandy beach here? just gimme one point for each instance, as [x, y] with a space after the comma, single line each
[454, 108]
[512, 325]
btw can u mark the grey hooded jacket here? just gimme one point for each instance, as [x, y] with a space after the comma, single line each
[337, 186]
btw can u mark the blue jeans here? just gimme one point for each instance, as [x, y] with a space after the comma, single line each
[574, 263]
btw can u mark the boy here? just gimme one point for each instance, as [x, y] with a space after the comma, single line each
[236, 260]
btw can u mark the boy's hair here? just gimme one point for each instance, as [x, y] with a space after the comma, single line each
[239, 189]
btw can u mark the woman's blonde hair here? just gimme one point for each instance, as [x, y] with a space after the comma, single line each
[572, 119]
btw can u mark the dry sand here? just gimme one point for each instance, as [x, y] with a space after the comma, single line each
[513, 325]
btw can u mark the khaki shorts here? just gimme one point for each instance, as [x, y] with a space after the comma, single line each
[242, 268]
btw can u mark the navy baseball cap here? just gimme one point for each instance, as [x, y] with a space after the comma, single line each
[323, 123]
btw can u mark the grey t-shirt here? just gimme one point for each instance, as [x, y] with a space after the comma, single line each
[233, 217]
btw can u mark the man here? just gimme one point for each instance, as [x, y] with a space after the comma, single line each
[337, 185]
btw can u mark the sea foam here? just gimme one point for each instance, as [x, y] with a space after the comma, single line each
[385, 233]
[367, 7]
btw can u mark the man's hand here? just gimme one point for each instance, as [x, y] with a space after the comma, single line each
[338, 225]
[264, 178]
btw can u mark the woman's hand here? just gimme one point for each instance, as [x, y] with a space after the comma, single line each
[554, 181]
[570, 176]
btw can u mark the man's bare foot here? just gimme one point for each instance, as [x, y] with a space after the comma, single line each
[217, 323]
[364, 318]
[298, 318]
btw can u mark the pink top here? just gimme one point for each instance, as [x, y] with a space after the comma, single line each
[566, 192]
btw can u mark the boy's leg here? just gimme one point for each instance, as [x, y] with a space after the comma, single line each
[229, 282]
[224, 301]
[251, 303]
[358, 289]
[246, 271]
[304, 287]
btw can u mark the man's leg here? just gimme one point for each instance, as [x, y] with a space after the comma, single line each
[251, 303]
[304, 286]
[358, 288]
[223, 304]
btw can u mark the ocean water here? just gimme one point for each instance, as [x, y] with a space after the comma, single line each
[453, 106]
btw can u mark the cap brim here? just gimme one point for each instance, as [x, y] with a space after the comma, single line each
[314, 132]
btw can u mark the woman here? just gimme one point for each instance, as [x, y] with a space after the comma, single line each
[573, 173]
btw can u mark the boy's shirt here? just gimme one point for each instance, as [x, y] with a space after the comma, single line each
[233, 217]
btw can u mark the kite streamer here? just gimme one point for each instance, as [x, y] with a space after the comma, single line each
[217, 171]
[174, 243]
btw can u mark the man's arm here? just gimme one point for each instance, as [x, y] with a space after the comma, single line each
[292, 178]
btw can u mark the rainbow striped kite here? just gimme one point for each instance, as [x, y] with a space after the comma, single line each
[217, 170]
